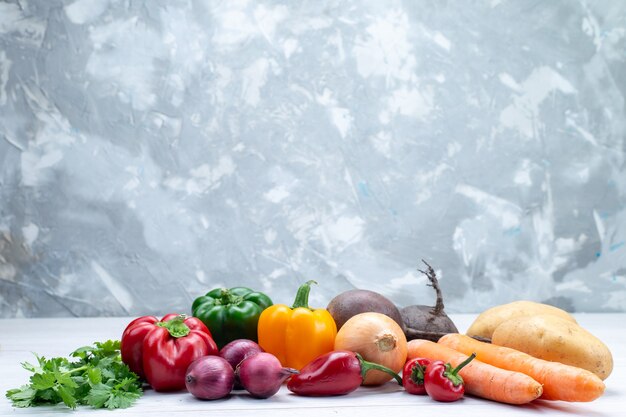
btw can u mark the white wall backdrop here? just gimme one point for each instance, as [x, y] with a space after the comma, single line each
[153, 150]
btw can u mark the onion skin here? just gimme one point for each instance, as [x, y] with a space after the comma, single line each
[236, 351]
[209, 378]
[262, 374]
[377, 338]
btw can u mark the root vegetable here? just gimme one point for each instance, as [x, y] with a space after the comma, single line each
[427, 322]
[378, 339]
[209, 378]
[552, 338]
[350, 303]
[236, 351]
[560, 382]
[482, 328]
[262, 374]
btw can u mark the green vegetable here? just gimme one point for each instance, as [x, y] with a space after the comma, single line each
[231, 314]
[98, 378]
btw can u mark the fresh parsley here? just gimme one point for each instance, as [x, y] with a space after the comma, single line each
[97, 378]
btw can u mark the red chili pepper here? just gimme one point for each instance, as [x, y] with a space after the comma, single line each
[161, 351]
[334, 373]
[443, 383]
[413, 376]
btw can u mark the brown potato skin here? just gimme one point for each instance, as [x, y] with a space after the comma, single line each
[488, 320]
[553, 338]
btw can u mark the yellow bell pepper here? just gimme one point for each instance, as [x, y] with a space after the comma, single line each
[298, 334]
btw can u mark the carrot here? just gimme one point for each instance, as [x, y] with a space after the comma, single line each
[560, 382]
[481, 379]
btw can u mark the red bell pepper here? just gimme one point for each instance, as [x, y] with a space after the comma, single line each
[443, 383]
[413, 376]
[161, 351]
[334, 373]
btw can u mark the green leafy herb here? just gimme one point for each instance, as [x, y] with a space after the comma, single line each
[97, 378]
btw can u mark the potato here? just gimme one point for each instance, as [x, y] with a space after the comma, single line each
[552, 338]
[487, 321]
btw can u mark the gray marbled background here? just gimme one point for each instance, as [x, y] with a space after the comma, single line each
[153, 150]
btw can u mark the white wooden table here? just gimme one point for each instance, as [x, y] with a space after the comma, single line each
[58, 337]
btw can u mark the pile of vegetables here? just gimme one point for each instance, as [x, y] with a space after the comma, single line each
[545, 332]
[237, 339]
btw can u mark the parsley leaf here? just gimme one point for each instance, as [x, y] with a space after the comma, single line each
[66, 395]
[122, 399]
[94, 375]
[98, 378]
[98, 395]
[22, 397]
[42, 381]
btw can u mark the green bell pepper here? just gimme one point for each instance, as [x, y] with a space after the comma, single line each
[231, 313]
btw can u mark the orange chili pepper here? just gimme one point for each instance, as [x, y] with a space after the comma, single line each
[298, 334]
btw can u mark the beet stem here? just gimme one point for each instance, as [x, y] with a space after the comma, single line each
[432, 277]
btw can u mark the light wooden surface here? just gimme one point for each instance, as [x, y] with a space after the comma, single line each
[58, 337]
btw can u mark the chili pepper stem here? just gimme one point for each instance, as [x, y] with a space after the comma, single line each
[302, 296]
[462, 364]
[417, 374]
[453, 375]
[368, 366]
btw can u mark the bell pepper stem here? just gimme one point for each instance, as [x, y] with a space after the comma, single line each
[302, 296]
[228, 298]
[368, 366]
[176, 327]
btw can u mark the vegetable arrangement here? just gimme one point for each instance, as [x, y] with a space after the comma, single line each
[560, 382]
[481, 379]
[552, 338]
[545, 332]
[534, 351]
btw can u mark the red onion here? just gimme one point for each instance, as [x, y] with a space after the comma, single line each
[262, 374]
[209, 378]
[236, 351]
